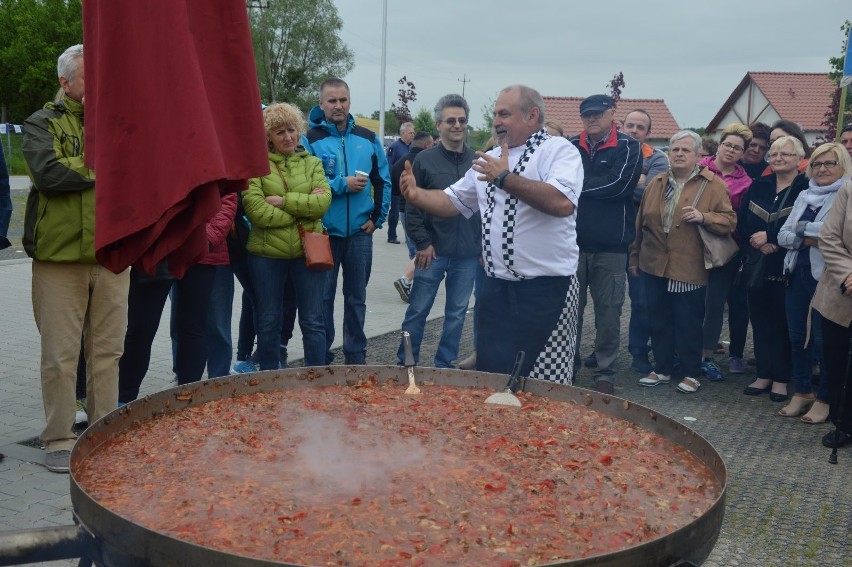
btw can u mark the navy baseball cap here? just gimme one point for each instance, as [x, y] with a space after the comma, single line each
[595, 103]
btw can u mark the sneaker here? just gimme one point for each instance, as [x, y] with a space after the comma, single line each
[81, 416]
[468, 363]
[591, 361]
[736, 365]
[403, 287]
[712, 370]
[654, 379]
[243, 366]
[57, 461]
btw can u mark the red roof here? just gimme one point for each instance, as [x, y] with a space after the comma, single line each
[566, 110]
[802, 98]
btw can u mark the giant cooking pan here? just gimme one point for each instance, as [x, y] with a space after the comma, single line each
[113, 540]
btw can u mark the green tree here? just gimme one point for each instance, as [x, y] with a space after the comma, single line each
[35, 33]
[391, 122]
[296, 47]
[423, 121]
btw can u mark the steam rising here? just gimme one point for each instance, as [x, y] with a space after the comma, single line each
[346, 460]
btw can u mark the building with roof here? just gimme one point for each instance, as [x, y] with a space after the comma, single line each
[802, 98]
[566, 110]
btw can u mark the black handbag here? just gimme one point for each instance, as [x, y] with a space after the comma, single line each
[751, 269]
[752, 262]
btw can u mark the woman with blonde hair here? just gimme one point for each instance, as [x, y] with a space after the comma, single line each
[762, 214]
[829, 169]
[833, 300]
[294, 193]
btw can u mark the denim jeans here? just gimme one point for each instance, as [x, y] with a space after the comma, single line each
[354, 254]
[145, 303]
[269, 276]
[219, 346]
[639, 331]
[393, 217]
[409, 243]
[800, 291]
[460, 273]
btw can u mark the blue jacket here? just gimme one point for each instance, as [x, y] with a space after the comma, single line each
[355, 149]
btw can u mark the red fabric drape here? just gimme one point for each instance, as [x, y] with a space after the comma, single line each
[172, 117]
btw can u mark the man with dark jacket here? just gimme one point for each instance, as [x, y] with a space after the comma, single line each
[395, 152]
[422, 141]
[612, 164]
[360, 187]
[73, 295]
[446, 247]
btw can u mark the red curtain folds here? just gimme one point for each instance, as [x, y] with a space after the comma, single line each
[173, 117]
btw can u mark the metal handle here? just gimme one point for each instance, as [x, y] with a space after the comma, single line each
[406, 345]
[512, 385]
[43, 544]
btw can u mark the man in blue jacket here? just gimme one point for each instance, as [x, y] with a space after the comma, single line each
[612, 165]
[359, 206]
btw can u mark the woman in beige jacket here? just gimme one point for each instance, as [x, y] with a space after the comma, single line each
[669, 253]
[833, 300]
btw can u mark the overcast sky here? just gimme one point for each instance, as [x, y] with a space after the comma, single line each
[690, 54]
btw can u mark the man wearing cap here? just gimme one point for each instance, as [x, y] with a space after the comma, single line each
[612, 166]
[526, 189]
[637, 123]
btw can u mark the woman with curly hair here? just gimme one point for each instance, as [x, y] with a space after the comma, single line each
[294, 193]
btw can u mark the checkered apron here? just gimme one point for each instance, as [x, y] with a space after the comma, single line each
[556, 361]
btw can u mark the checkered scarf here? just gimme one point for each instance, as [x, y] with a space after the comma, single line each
[511, 205]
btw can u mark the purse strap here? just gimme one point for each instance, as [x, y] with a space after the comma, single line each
[299, 226]
[700, 192]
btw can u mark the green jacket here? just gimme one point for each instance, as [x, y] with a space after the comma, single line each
[60, 217]
[273, 229]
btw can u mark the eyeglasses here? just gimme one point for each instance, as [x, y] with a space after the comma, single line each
[731, 146]
[826, 164]
[452, 121]
[592, 115]
[785, 155]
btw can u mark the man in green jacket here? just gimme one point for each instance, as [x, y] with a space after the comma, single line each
[72, 294]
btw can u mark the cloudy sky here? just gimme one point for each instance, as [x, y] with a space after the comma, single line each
[690, 54]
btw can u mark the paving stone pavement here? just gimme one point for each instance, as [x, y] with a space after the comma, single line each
[787, 506]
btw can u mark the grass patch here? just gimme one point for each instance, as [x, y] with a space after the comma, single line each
[14, 155]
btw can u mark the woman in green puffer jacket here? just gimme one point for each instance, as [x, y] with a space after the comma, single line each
[294, 192]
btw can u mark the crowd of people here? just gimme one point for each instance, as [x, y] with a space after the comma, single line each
[529, 226]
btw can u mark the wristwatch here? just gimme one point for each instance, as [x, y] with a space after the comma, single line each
[501, 178]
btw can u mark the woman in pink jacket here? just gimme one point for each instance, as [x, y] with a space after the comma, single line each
[735, 139]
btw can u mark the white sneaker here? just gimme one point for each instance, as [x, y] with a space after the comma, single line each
[81, 416]
[654, 379]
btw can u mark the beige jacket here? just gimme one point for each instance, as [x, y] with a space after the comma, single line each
[679, 255]
[835, 243]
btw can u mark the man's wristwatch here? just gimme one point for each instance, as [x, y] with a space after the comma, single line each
[501, 178]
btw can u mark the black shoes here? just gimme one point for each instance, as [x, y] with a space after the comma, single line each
[751, 391]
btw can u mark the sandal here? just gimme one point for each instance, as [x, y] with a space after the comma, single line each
[688, 385]
[818, 413]
[654, 379]
[797, 406]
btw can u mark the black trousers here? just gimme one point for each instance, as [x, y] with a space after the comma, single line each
[768, 314]
[145, 308]
[835, 340]
[675, 326]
